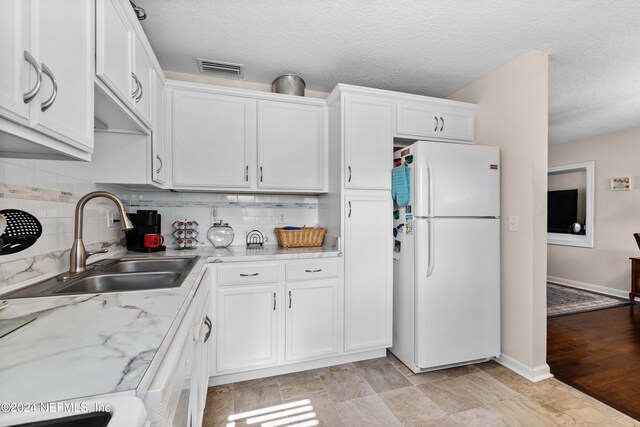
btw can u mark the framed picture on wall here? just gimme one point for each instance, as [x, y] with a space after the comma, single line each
[620, 184]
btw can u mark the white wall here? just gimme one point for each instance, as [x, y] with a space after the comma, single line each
[616, 213]
[513, 114]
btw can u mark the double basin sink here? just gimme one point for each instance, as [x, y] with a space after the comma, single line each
[114, 275]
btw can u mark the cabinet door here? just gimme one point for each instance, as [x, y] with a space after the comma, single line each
[456, 125]
[417, 120]
[312, 320]
[292, 145]
[157, 133]
[64, 38]
[14, 69]
[200, 366]
[247, 328]
[368, 142]
[143, 72]
[368, 271]
[114, 49]
[213, 140]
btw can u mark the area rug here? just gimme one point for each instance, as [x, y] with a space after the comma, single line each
[562, 300]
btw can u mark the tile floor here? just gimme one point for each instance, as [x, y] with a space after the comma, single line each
[383, 392]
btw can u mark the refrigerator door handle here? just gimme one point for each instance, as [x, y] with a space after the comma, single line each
[430, 179]
[431, 262]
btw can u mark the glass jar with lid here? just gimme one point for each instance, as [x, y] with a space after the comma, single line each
[220, 234]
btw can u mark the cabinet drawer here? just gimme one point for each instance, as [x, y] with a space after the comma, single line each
[244, 274]
[311, 270]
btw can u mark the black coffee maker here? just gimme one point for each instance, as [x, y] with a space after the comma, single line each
[144, 222]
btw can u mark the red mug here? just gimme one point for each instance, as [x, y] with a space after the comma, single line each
[153, 240]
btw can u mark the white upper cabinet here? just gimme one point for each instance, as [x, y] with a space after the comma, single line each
[64, 40]
[46, 64]
[142, 76]
[213, 140]
[435, 119]
[158, 158]
[114, 49]
[292, 146]
[238, 140]
[368, 142]
[14, 65]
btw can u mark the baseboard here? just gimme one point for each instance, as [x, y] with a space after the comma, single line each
[535, 374]
[590, 287]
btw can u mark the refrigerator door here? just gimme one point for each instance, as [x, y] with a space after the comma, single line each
[457, 268]
[455, 180]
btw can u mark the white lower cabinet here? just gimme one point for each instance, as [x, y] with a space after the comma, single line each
[368, 270]
[247, 327]
[312, 320]
[261, 325]
[178, 391]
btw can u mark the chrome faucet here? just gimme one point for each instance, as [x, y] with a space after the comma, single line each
[79, 255]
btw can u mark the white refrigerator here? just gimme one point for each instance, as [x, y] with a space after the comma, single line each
[446, 271]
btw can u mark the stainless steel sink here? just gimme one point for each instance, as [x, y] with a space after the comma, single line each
[119, 275]
[148, 265]
[122, 283]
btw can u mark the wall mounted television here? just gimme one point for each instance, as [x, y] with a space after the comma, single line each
[562, 210]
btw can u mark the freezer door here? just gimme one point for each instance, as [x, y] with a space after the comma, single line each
[458, 290]
[456, 180]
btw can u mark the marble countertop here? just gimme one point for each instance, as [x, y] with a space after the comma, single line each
[265, 253]
[89, 345]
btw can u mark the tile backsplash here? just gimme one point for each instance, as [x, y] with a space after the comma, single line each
[242, 212]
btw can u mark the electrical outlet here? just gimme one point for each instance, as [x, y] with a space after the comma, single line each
[282, 218]
[513, 223]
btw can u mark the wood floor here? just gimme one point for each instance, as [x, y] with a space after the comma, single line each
[598, 352]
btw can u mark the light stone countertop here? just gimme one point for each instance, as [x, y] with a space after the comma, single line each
[95, 344]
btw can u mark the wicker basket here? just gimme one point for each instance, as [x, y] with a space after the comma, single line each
[303, 238]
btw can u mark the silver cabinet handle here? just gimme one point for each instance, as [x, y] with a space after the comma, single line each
[49, 102]
[27, 97]
[248, 275]
[436, 120]
[246, 173]
[313, 271]
[274, 301]
[441, 126]
[349, 169]
[141, 91]
[135, 92]
[349, 216]
[161, 164]
[289, 299]
[207, 321]
[260, 173]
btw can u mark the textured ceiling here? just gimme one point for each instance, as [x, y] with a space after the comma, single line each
[425, 47]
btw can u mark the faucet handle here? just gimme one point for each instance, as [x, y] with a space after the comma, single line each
[100, 251]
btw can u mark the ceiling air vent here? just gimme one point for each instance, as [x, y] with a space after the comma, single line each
[221, 68]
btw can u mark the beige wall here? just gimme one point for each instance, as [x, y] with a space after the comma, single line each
[236, 83]
[616, 213]
[513, 114]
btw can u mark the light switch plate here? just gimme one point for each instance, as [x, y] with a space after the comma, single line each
[513, 223]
